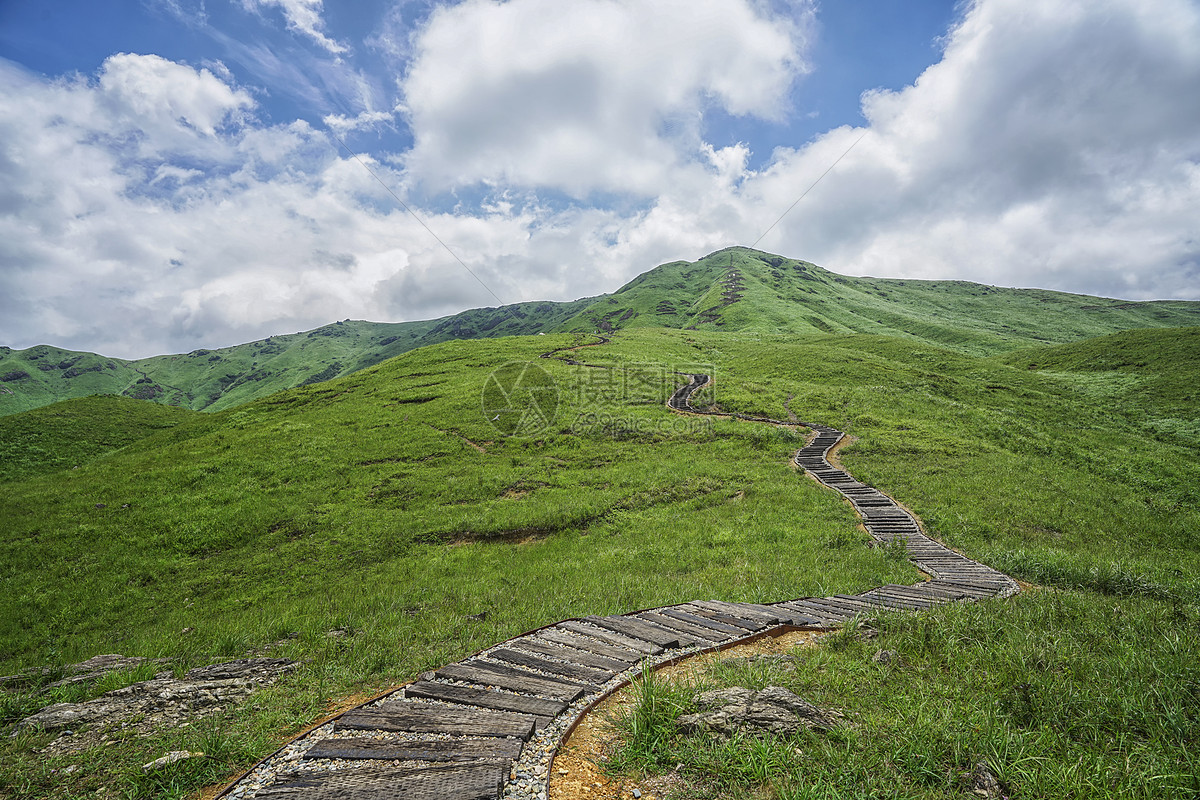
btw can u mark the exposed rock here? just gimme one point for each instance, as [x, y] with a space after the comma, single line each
[772, 710]
[170, 758]
[984, 783]
[164, 700]
[84, 672]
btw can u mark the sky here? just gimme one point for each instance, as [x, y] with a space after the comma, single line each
[184, 174]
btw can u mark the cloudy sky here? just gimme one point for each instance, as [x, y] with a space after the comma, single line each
[177, 174]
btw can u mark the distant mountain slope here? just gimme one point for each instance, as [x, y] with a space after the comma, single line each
[214, 379]
[738, 289]
[75, 432]
[1152, 371]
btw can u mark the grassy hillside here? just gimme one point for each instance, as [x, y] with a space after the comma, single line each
[214, 379]
[73, 433]
[1148, 372]
[386, 503]
[738, 289]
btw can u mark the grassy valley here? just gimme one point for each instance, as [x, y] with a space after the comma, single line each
[385, 504]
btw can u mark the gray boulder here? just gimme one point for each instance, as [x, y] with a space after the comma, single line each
[770, 710]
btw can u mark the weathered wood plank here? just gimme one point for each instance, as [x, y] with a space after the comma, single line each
[682, 613]
[493, 749]
[578, 641]
[612, 636]
[574, 654]
[904, 601]
[766, 615]
[745, 625]
[438, 782]
[638, 629]
[839, 605]
[485, 698]
[822, 612]
[573, 671]
[473, 672]
[695, 633]
[417, 718]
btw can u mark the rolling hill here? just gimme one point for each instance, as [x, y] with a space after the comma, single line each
[211, 380]
[736, 289]
[386, 507]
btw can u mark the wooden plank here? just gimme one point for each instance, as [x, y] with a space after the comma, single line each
[746, 625]
[829, 602]
[684, 614]
[767, 615]
[613, 637]
[821, 612]
[472, 781]
[437, 750]
[960, 591]
[574, 654]
[557, 636]
[576, 672]
[895, 595]
[473, 672]
[792, 616]
[485, 698]
[980, 588]
[890, 601]
[903, 601]
[862, 602]
[920, 592]
[686, 629]
[981, 582]
[417, 718]
[638, 629]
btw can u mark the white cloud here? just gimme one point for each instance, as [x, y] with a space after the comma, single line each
[366, 120]
[303, 16]
[1054, 145]
[149, 210]
[576, 95]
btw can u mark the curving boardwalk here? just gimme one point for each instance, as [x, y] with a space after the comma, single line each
[487, 727]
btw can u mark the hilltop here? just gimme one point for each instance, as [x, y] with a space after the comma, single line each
[736, 289]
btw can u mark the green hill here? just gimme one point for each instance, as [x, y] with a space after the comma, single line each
[73, 433]
[214, 379]
[736, 289]
[386, 505]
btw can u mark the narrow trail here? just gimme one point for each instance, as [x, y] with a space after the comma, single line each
[487, 727]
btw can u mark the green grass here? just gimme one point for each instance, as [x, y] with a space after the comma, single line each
[212, 380]
[779, 295]
[386, 503]
[73, 433]
[1062, 694]
[783, 295]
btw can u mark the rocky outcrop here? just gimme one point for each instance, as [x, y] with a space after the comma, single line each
[165, 699]
[770, 710]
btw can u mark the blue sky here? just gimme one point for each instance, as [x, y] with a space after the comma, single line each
[173, 175]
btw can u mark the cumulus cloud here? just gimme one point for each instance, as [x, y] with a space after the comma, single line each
[303, 16]
[587, 95]
[149, 209]
[1051, 146]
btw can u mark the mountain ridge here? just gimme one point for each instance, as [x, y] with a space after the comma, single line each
[734, 289]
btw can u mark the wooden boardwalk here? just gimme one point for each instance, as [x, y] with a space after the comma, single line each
[455, 733]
